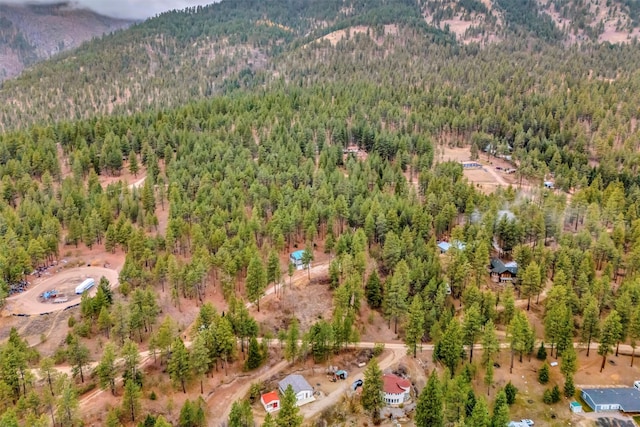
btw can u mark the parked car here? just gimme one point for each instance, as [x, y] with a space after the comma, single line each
[527, 421]
[356, 384]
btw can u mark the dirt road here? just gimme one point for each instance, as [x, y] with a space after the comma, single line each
[221, 405]
[138, 183]
[317, 407]
[496, 176]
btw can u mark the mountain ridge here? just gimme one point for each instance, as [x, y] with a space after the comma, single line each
[35, 32]
[201, 51]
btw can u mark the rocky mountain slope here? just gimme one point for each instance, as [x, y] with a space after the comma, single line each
[568, 21]
[31, 33]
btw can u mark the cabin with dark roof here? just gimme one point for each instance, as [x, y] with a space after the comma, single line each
[502, 272]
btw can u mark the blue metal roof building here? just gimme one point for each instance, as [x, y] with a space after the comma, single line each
[625, 399]
[295, 258]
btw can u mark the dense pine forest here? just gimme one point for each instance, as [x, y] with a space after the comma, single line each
[254, 129]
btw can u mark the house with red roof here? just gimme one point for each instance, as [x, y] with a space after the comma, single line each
[396, 390]
[270, 401]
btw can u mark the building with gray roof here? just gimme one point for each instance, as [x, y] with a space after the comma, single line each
[300, 386]
[624, 399]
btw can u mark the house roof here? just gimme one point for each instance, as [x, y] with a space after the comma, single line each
[272, 396]
[627, 397]
[297, 255]
[499, 267]
[297, 382]
[394, 384]
[444, 246]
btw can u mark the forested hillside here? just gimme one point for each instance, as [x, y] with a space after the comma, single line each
[254, 129]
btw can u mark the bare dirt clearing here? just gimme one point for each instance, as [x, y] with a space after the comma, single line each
[64, 282]
[487, 178]
[347, 33]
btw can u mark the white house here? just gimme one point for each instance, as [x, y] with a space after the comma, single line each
[300, 386]
[396, 390]
[270, 401]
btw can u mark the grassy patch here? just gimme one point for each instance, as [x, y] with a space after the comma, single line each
[637, 419]
[585, 407]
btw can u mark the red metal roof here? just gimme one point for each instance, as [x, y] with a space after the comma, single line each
[270, 397]
[394, 384]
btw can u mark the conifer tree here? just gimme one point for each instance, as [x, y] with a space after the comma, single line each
[179, 366]
[490, 344]
[429, 408]
[241, 414]
[480, 416]
[269, 421]
[254, 358]
[471, 328]
[131, 399]
[451, 346]
[289, 414]
[500, 416]
[634, 332]
[510, 391]
[373, 290]
[590, 323]
[488, 377]
[48, 372]
[291, 345]
[200, 360]
[134, 167]
[307, 257]
[106, 369]
[78, 355]
[256, 281]
[131, 358]
[414, 330]
[611, 332]
[274, 273]
[371, 398]
[395, 295]
[543, 373]
[67, 402]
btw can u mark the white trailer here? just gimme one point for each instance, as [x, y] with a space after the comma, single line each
[86, 285]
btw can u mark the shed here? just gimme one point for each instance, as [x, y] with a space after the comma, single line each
[270, 401]
[625, 399]
[575, 407]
